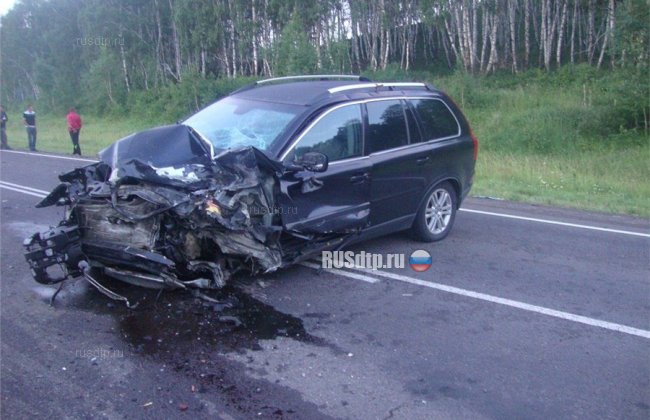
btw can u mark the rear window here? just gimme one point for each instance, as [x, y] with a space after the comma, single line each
[386, 126]
[437, 120]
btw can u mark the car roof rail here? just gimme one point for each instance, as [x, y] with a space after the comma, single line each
[320, 77]
[289, 79]
[389, 85]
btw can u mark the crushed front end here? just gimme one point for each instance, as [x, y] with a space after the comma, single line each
[159, 211]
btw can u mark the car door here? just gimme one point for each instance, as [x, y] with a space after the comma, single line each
[397, 182]
[337, 200]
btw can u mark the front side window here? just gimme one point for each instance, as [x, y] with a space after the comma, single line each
[437, 120]
[337, 135]
[386, 126]
[236, 122]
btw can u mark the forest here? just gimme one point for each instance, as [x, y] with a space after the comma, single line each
[98, 53]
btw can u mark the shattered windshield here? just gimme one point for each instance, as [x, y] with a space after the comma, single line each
[235, 122]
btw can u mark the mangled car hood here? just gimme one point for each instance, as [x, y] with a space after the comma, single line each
[177, 155]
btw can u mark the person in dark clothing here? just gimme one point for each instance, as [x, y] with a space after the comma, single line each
[3, 128]
[29, 116]
[74, 127]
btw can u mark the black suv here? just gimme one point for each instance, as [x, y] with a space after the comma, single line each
[265, 177]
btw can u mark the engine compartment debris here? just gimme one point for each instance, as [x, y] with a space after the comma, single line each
[160, 211]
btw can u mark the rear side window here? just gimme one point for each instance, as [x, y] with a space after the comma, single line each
[437, 120]
[414, 131]
[386, 126]
[337, 135]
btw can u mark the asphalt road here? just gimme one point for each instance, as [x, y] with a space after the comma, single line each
[517, 318]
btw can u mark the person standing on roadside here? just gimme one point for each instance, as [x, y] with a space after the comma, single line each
[3, 128]
[74, 127]
[29, 116]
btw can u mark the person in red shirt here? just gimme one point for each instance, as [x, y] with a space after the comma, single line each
[74, 127]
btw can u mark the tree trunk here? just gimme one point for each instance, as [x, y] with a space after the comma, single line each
[203, 60]
[176, 42]
[319, 59]
[486, 31]
[544, 32]
[467, 39]
[608, 30]
[443, 41]
[109, 91]
[581, 42]
[145, 76]
[127, 83]
[382, 42]
[373, 35]
[512, 8]
[266, 67]
[527, 33]
[407, 55]
[549, 24]
[160, 54]
[612, 28]
[384, 62]
[494, 55]
[355, 44]
[460, 31]
[254, 17]
[560, 35]
[451, 35]
[591, 30]
[573, 30]
[224, 53]
[233, 42]
[474, 34]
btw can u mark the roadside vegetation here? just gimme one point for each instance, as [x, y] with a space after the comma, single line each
[567, 138]
[557, 91]
[573, 138]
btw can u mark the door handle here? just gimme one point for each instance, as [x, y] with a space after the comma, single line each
[358, 179]
[422, 160]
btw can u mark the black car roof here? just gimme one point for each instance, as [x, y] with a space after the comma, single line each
[304, 93]
[296, 93]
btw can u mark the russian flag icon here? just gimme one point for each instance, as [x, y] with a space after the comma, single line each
[420, 260]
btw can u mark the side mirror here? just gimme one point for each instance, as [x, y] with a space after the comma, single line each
[313, 161]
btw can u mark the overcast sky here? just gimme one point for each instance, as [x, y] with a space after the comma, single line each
[5, 5]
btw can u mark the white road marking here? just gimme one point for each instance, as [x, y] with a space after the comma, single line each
[487, 213]
[6, 187]
[17, 152]
[442, 287]
[498, 300]
[553, 222]
[361, 277]
[24, 187]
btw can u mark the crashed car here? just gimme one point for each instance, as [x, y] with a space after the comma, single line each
[268, 176]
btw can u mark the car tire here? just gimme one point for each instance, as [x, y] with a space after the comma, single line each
[437, 213]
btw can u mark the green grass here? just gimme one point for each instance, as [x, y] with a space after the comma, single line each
[52, 133]
[551, 139]
[614, 182]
